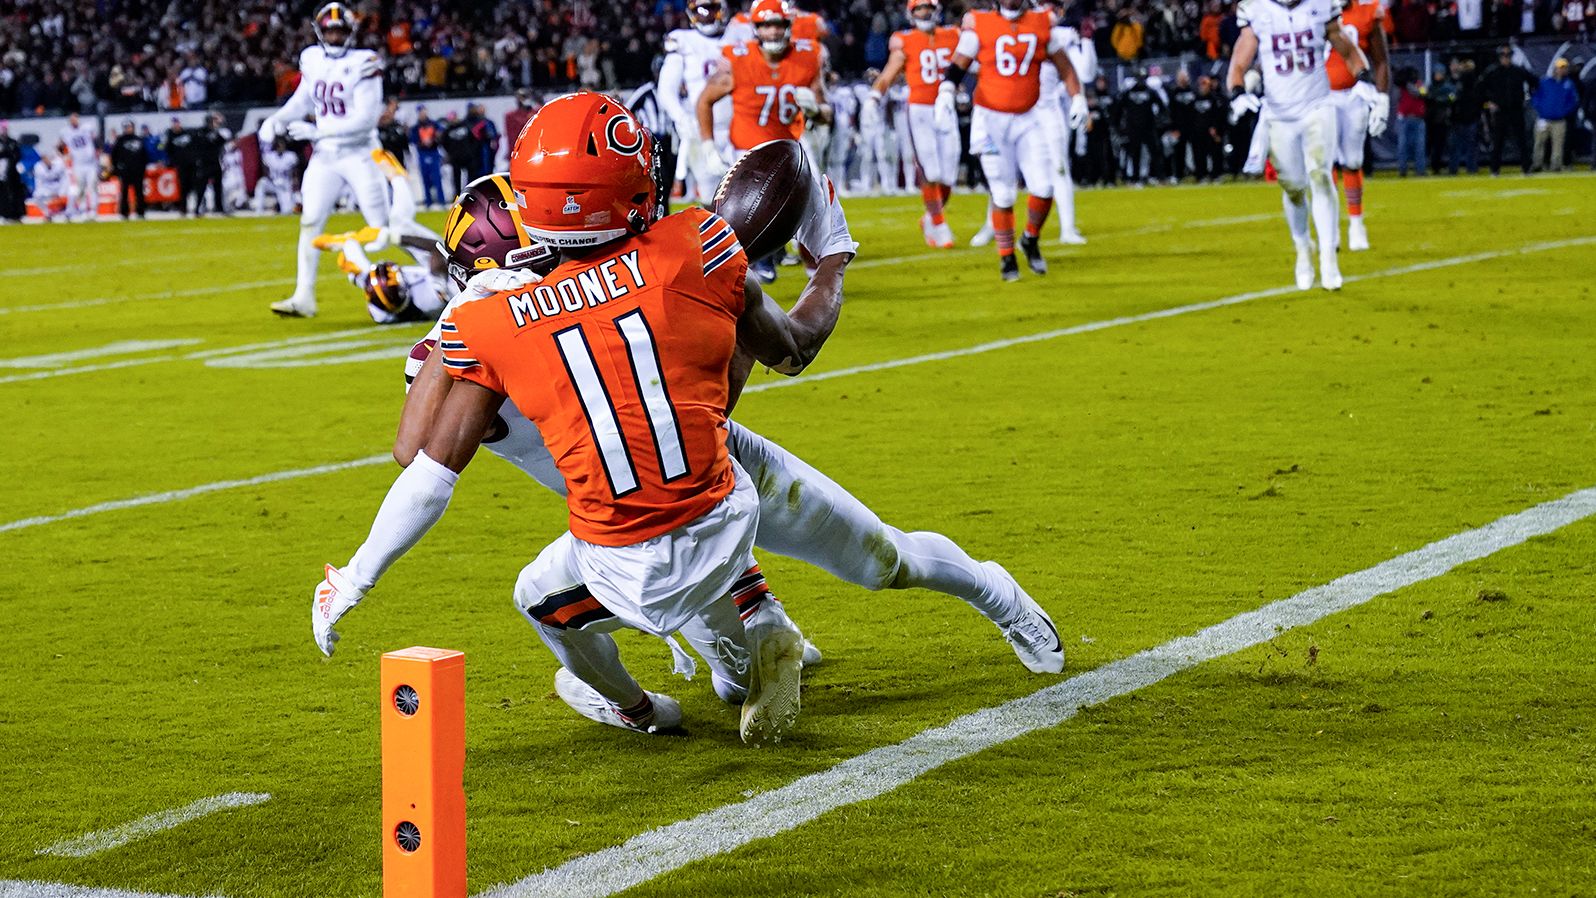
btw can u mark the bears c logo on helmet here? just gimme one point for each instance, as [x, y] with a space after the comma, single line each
[612, 136]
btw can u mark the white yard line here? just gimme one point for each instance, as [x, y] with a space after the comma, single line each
[84, 369]
[881, 770]
[117, 836]
[120, 347]
[159, 498]
[140, 297]
[179, 495]
[19, 888]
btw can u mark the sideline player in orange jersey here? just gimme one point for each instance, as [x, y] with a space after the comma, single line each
[1362, 109]
[776, 84]
[921, 54]
[805, 26]
[1010, 43]
[620, 357]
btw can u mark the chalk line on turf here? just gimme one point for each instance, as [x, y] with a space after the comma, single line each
[117, 836]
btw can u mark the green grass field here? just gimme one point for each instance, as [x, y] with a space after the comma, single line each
[1144, 479]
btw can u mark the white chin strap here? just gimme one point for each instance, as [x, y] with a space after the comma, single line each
[776, 46]
[1010, 14]
[926, 24]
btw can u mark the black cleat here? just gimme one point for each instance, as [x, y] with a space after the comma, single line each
[1033, 254]
[1011, 267]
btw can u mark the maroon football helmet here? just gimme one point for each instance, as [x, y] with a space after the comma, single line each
[483, 232]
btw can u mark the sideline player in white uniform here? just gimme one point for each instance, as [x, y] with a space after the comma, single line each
[878, 163]
[278, 178]
[51, 192]
[691, 56]
[341, 86]
[1298, 118]
[920, 55]
[83, 180]
[844, 130]
[394, 293]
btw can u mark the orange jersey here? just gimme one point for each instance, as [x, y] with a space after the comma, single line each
[1358, 19]
[925, 58]
[620, 359]
[764, 104]
[1011, 56]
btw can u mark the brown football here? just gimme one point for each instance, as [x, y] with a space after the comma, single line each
[766, 196]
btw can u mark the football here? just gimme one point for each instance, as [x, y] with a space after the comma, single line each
[766, 196]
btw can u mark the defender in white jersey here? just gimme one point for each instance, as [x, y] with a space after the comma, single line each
[83, 177]
[691, 57]
[827, 527]
[394, 293]
[341, 87]
[1083, 56]
[50, 191]
[878, 158]
[1298, 119]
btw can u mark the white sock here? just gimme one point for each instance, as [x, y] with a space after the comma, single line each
[309, 258]
[1326, 201]
[1064, 201]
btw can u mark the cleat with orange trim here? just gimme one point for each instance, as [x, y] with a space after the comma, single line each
[656, 712]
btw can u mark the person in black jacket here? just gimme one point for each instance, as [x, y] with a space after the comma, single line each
[1183, 121]
[13, 202]
[129, 159]
[392, 133]
[1141, 112]
[182, 151]
[1504, 86]
[1210, 115]
[461, 148]
[210, 143]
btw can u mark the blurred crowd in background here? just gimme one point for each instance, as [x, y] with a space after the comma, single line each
[108, 56]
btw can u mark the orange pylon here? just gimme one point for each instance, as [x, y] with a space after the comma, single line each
[423, 769]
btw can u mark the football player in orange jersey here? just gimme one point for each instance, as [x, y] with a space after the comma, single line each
[921, 54]
[1362, 109]
[776, 84]
[805, 25]
[1005, 130]
[620, 357]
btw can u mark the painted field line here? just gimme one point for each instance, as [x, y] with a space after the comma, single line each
[21, 888]
[117, 836]
[1157, 314]
[1088, 327]
[120, 347]
[882, 770]
[167, 294]
[179, 495]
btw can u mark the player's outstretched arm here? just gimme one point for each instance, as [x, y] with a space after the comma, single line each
[789, 341]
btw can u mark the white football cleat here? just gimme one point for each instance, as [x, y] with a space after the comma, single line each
[983, 236]
[293, 308]
[773, 675]
[944, 236]
[1072, 238]
[662, 712]
[1304, 267]
[811, 655]
[927, 229]
[1357, 234]
[1031, 632]
[1329, 270]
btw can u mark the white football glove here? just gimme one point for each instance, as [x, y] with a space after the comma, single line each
[1243, 104]
[335, 595]
[501, 280]
[1078, 111]
[268, 132]
[825, 231]
[302, 130]
[870, 117]
[1379, 106]
[713, 166]
[945, 113]
[806, 100]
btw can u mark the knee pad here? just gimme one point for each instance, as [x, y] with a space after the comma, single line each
[1004, 195]
[1296, 191]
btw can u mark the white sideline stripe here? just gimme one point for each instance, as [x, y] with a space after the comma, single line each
[120, 347]
[1156, 314]
[179, 495]
[18, 888]
[117, 836]
[167, 294]
[881, 770]
[828, 375]
[203, 354]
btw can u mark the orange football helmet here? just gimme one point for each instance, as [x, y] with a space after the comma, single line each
[925, 23]
[583, 172]
[772, 12]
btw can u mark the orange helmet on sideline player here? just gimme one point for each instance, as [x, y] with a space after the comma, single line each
[583, 172]
[772, 12]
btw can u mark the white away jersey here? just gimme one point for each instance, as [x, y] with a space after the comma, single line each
[344, 92]
[280, 165]
[83, 144]
[1291, 52]
[49, 176]
[1083, 58]
[700, 54]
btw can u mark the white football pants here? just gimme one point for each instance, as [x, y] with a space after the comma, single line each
[331, 168]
